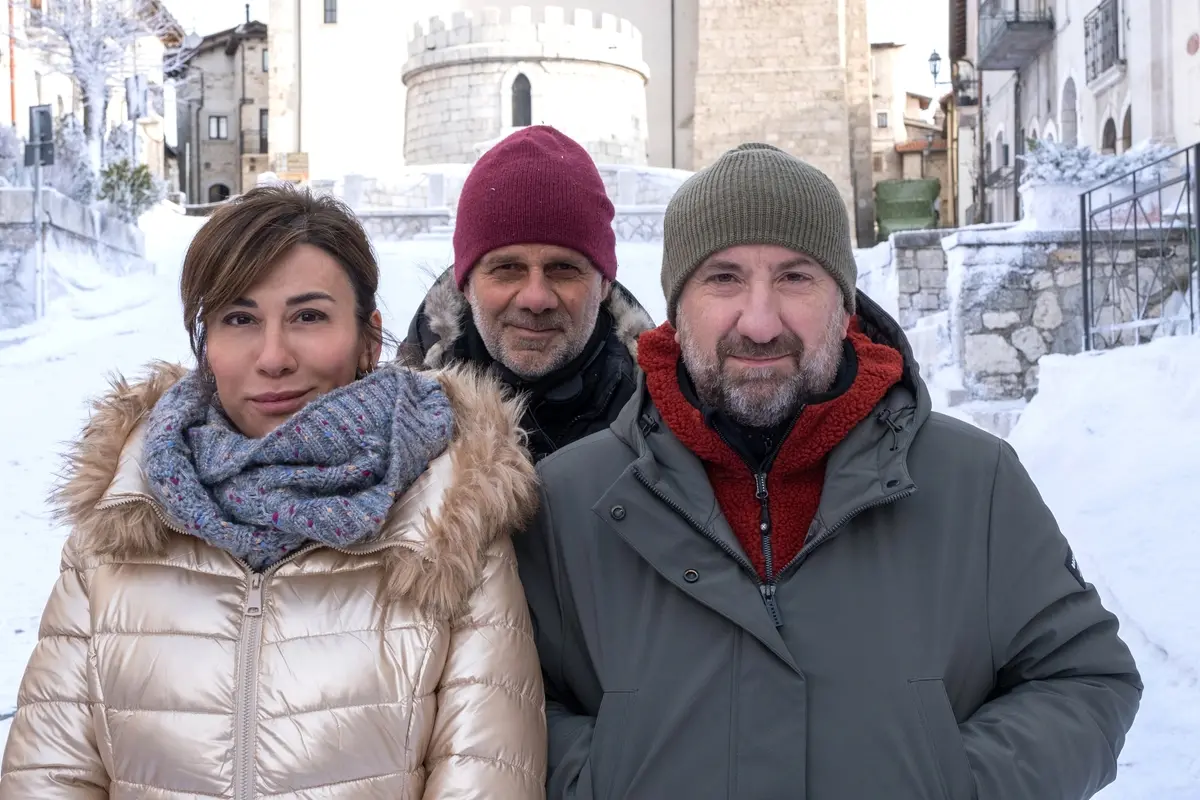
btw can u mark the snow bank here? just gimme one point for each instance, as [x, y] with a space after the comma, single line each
[1111, 440]
[168, 233]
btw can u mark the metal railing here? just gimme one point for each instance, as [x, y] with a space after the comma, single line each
[1141, 255]
[1102, 39]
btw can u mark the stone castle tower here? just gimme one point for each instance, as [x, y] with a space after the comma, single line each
[795, 74]
[474, 78]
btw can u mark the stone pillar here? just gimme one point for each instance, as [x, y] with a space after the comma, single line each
[1014, 296]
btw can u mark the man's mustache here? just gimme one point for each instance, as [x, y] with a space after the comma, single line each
[553, 321]
[741, 347]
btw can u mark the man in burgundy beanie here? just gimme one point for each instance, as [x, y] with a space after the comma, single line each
[533, 292]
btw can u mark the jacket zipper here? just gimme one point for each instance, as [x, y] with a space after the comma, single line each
[245, 710]
[767, 583]
[829, 532]
[767, 586]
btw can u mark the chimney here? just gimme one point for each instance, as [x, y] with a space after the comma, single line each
[247, 12]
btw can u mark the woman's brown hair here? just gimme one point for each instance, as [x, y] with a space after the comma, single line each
[242, 241]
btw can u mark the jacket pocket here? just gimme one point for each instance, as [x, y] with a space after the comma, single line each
[945, 740]
[608, 742]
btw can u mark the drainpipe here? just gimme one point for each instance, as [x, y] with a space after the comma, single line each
[299, 78]
[1018, 146]
[674, 82]
[12, 66]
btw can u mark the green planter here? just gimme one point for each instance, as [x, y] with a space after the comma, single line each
[906, 205]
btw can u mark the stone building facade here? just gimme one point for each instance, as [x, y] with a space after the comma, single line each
[796, 75]
[474, 78]
[223, 114]
[1106, 74]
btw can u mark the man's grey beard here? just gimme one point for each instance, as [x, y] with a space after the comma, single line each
[761, 398]
[558, 352]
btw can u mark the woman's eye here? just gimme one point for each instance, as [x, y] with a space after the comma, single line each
[310, 316]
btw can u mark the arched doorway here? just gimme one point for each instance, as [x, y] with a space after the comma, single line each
[218, 192]
[522, 102]
[1108, 140]
[1069, 124]
[1127, 131]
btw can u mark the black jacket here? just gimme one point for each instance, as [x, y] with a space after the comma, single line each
[579, 399]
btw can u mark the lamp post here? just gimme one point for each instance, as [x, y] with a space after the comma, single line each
[957, 85]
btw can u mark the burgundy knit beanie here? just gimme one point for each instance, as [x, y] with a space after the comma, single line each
[537, 186]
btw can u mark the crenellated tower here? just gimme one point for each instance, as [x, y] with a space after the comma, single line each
[473, 78]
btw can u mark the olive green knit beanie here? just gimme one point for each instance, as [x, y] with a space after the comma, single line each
[756, 194]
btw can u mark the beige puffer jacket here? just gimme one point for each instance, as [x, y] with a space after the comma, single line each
[402, 668]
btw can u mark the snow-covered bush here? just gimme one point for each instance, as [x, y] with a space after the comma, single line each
[127, 191]
[116, 144]
[12, 155]
[71, 172]
[1058, 163]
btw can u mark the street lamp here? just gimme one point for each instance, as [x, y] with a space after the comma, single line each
[935, 65]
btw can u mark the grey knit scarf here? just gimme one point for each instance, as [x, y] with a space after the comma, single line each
[329, 474]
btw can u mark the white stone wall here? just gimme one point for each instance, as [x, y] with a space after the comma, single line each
[587, 78]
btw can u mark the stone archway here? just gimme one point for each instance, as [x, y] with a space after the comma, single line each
[1108, 139]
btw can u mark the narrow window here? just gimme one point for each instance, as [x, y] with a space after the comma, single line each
[881, 119]
[266, 62]
[263, 116]
[522, 102]
[330, 12]
[218, 127]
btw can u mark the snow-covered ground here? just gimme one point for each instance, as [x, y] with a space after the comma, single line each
[1111, 440]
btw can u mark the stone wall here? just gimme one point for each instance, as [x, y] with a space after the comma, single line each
[907, 274]
[73, 235]
[587, 79]
[775, 75]
[1014, 297]
[402, 225]
[920, 274]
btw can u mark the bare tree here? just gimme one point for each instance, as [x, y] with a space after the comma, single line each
[90, 40]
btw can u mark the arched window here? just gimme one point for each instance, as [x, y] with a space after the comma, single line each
[1108, 142]
[1070, 114]
[218, 192]
[522, 102]
[1127, 131]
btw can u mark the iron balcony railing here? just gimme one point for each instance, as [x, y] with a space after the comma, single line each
[1102, 39]
[1141, 254]
[254, 141]
[1012, 33]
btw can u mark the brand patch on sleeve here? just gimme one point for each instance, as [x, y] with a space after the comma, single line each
[1072, 566]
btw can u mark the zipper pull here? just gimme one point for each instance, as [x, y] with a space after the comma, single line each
[767, 590]
[760, 486]
[254, 596]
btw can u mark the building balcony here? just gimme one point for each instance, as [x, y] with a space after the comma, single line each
[1012, 33]
[1102, 44]
[999, 178]
[254, 141]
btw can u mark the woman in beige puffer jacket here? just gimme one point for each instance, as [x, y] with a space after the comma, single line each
[399, 666]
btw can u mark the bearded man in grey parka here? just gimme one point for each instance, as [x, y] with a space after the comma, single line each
[780, 574]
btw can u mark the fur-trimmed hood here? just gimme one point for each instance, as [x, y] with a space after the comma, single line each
[481, 489]
[437, 324]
